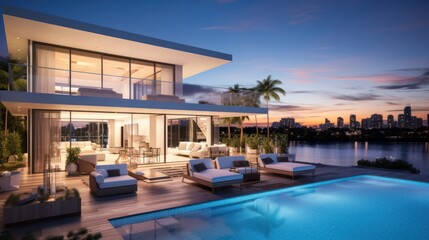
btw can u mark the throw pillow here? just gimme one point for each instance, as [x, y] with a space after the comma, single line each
[199, 167]
[113, 173]
[240, 163]
[182, 146]
[282, 159]
[190, 146]
[267, 160]
[102, 172]
[196, 147]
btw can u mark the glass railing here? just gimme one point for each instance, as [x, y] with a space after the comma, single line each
[66, 82]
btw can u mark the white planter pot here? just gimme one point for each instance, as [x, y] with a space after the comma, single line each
[71, 169]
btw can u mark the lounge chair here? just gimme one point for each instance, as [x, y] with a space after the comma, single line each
[111, 179]
[269, 162]
[239, 164]
[202, 171]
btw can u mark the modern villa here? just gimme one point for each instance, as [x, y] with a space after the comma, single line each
[107, 90]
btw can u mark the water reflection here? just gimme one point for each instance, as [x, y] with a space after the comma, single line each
[348, 153]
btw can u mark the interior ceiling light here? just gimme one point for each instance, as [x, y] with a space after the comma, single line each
[19, 50]
[18, 38]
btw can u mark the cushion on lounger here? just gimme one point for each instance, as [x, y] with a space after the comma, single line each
[113, 173]
[240, 163]
[282, 159]
[267, 160]
[200, 167]
[182, 146]
[102, 172]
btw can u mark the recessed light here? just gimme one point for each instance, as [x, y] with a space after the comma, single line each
[19, 50]
[18, 38]
[19, 58]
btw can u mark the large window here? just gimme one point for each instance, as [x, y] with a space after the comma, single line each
[85, 71]
[62, 70]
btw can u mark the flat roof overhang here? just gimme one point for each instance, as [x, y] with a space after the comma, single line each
[18, 103]
[22, 25]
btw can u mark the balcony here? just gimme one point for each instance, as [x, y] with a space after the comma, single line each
[75, 83]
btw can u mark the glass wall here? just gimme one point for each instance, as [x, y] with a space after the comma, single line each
[46, 139]
[85, 71]
[62, 70]
[51, 69]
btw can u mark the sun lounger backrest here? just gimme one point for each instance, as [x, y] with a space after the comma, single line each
[271, 155]
[123, 169]
[227, 162]
[206, 161]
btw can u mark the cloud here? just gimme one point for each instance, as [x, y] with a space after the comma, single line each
[411, 25]
[392, 103]
[412, 83]
[191, 90]
[301, 92]
[303, 13]
[358, 97]
[379, 78]
[216, 28]
[281, 108]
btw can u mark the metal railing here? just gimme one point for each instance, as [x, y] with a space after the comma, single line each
[66, 82]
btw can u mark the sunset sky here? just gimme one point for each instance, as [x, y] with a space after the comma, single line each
[334, 58]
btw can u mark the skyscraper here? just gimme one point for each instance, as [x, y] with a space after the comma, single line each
[401, 121]
[340, 122]
[288, 122]
[407, 117]
[390, 121]
[353, 121]
[376, 121]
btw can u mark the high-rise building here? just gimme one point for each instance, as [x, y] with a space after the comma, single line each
[401, 121]
[419, 123]
[366, 123]
[353, 121]
[340, 122]
[376, 121]
[407, 117]
[390, 121]
[326, 125]
[287, 122]
[427, 120]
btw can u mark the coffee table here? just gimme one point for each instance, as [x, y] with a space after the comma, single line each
[149, 175]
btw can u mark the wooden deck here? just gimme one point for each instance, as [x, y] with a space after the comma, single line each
[155, 196]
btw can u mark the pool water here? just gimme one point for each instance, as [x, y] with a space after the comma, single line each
[362, 207]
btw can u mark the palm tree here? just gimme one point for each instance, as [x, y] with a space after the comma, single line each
[240, 122]
[268, 88]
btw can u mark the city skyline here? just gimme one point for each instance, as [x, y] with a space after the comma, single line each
[335, 59]
[375, 120]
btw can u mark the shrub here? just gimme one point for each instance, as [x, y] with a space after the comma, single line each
[252, 142]
[397, 164]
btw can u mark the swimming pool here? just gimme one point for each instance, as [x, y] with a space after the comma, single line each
[361, 207]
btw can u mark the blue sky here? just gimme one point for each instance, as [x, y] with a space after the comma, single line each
[334, 58]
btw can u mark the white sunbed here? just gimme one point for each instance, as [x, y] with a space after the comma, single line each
[286, 168]
[211, 177]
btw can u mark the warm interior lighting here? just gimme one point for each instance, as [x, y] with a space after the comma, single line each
[18, 38]
[19, 50]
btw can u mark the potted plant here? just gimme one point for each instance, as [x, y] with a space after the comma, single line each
[266, 145]
[72, 160]
[252, 143]
[234, 145]
[281, 142]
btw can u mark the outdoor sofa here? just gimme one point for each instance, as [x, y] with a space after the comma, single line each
[203, 172]
[111, 179]
[274, 163]
[191, 149]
